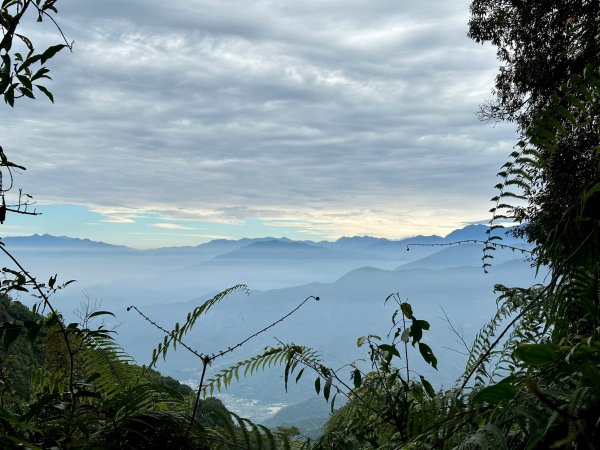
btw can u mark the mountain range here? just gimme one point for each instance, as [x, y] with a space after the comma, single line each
[352, 276]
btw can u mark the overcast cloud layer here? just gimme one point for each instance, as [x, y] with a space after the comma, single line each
[328, 117]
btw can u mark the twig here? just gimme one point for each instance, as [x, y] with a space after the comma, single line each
[205, 362]
[168, 333]
[460, 337]
[230, 349]
[471, 241]
[69, 45]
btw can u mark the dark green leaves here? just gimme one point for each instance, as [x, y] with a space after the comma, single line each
[407, 310]
[416, 330]
[356, 378]
[536, 354]
[51, 51]
[327, 387]
[427, 354]
[9, 332]
[100, 313]
[496, 393]
[33, 328]
[390, 349]
[46, 92]
[427, 386]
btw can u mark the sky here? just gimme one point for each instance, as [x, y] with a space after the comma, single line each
[179, 122]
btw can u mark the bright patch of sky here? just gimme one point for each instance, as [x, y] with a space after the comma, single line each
[179, 122]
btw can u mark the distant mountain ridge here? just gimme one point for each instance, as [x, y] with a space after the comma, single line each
[379, 246]
[116, 274]
[48, 241]
[290, 250]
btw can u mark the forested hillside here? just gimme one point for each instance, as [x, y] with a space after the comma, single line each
[532, 378]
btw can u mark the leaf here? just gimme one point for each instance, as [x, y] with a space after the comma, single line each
[100, 313]
[46, 92]
[356, 378]
[423, 324]
[327, 387]
[407, 310]
[26, 92]
[318, 386]
[389, 349]
[589, 193]
[286, 375]
[26, 41]
[416, 332]
[11, 332]
[502, 391]
[41, 73]
[33, 328]
[51, 51]
[427, 354]
[536, 354]
[93, 376]
[9, 96]
[428, 387]
[360, 341]
[26, 82]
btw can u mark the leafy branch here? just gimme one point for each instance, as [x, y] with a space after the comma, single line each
[176, 335]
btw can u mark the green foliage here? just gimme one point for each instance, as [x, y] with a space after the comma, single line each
[539, 45]
[21, 336]
[19, 76]
[288, 354]
[550, 398]
[383, 402]
[97, 397]
[532, 379]
[176, 335]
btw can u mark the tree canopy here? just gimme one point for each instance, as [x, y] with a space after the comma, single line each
[541, 45]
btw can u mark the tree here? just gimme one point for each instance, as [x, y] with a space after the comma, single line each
[541, 45]
[549, 85]
[532, 380]
[22, 70]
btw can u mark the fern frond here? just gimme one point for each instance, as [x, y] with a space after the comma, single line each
[270, 357]
[488, 437]
[175, 336]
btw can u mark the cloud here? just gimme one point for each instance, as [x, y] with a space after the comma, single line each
[171, 226]
[231, 111]
[116, 214]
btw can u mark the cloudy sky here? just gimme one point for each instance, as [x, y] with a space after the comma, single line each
[178, 122]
